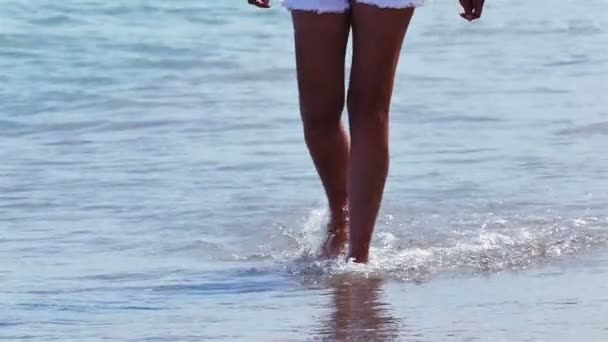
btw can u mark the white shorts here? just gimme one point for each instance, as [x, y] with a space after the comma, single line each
[339, 6]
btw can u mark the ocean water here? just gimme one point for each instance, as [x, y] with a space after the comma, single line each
[154, 184]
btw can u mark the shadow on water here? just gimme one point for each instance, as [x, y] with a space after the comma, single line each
[358, 312]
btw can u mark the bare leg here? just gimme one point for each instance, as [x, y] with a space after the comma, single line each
[321, 41]
[377, 39]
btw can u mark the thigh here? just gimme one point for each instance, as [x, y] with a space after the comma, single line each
[378, 35]
[320, 44]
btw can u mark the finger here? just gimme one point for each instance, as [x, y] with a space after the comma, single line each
[468, 17]
[467, 6]
[478, 8]
[260, 3]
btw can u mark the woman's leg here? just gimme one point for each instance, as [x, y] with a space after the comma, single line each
[320, 42]
[378, 35]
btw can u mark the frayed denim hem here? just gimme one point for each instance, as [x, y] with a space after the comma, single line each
[341, 6]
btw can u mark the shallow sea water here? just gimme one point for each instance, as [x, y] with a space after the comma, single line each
[154, 184]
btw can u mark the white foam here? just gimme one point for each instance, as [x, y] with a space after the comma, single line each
[507, 243]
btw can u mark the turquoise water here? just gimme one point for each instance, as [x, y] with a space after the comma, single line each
[154, 185]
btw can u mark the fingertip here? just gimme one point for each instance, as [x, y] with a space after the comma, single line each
[467, 16]
[259, 3]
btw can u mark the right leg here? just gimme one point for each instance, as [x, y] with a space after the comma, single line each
[320, 43]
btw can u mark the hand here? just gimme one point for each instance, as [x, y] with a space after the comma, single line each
[472, 9]
[260, 3]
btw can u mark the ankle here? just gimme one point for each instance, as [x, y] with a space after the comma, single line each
[359, 253]
[340, 215]
[359, 259]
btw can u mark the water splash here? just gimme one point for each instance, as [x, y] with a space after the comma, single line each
[417, 250]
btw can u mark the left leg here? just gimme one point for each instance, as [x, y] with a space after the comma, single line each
[378, 35]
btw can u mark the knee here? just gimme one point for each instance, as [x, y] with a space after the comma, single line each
[366, 108]
[322, 119]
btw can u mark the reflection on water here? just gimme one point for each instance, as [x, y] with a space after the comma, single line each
[358, 312]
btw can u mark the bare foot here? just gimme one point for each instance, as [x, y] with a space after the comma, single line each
[337, 236]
